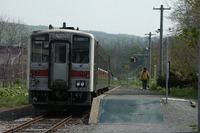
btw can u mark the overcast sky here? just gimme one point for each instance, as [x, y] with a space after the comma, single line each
[135, 17]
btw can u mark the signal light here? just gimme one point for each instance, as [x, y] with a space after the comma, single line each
[134, 59]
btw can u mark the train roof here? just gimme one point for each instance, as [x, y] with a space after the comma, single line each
[63, 31]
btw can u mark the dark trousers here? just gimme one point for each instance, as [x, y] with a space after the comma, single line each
[144, 84]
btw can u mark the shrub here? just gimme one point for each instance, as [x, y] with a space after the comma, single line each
[13, 96]
[178, 80]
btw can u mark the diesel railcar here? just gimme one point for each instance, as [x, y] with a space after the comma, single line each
[67, 67]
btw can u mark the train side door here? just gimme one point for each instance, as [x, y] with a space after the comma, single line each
[59, 65]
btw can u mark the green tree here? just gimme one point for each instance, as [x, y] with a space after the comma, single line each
[184, 47]
[187, 16]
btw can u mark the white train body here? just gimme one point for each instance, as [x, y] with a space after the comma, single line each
[66, 68]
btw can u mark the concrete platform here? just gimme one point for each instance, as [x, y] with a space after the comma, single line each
[126, 105]
[128, 109]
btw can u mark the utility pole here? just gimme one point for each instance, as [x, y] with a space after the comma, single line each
[149, 56]
[199, 88]
[150, 52]
[167, 70]
[161, 36]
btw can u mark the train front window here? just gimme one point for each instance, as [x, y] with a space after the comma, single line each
[40, 51]
[80, 49]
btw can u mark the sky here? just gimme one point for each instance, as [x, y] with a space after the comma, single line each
[134, 17]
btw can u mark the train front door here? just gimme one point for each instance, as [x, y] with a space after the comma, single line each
[59, 65]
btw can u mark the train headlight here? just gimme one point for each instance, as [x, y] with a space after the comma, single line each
[80, 83]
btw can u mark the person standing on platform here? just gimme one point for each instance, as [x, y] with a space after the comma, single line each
[144, 77]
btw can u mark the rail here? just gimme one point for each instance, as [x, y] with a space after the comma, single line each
[56, 126]
[23, 125]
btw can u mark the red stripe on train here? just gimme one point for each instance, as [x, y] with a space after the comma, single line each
[43, 73]
[74, 74]
[82, 74]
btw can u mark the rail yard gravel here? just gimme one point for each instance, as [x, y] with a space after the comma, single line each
[10, 116]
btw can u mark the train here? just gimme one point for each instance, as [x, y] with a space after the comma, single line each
[66, 67]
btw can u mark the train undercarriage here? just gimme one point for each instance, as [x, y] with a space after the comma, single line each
[60, 100]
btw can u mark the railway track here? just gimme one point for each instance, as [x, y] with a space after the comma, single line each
[41, 124]
[50, 121]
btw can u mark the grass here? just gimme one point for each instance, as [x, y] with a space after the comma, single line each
[126, 82]
[13, 96]
[186, 93]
